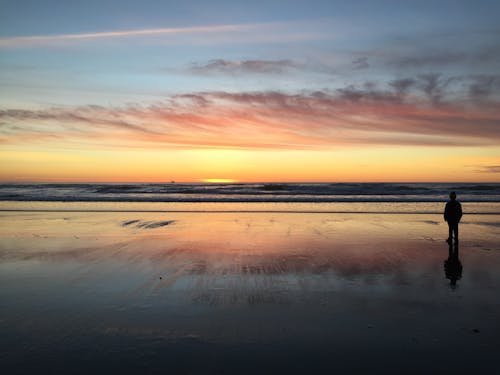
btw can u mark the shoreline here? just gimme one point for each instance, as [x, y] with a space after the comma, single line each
[430, 208]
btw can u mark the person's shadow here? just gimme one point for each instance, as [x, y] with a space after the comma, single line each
[453, 266]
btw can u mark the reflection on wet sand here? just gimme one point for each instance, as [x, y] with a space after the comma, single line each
[196, 293]
[452, 265]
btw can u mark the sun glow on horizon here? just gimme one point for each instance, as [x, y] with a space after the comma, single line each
[218, 180]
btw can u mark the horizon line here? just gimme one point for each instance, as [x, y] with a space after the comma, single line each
[246, 182]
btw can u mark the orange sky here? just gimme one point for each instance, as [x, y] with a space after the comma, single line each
[253, 137]
[345, 164]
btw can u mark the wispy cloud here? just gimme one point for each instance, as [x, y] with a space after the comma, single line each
[268, 120]
[222, 66]
[21, 41]
[402, 85]
[360, 63]
[488, 169]
[430, 58]
[482, 86]
[434, 88]
[270, 32]
[437, 50]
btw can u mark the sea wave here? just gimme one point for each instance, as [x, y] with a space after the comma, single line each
[276, 192]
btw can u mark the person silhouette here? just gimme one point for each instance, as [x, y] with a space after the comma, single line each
[453, 266]
[452, 215]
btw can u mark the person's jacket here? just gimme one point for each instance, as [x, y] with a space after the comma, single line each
[453, 211]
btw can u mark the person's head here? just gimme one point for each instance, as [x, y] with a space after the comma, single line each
[453, 195]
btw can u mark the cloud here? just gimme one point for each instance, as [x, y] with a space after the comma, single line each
[360, 63]
[221, 66]
[429, 58]
[441, 50]
[270, 32]
[97, 116]
[489, 169]
[433, 85]
[371, 114]
[481, 89]
[20, 41]
[401, 86]
[482, 86]
[368, 93]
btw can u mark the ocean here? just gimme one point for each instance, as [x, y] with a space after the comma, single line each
[479, 198]
[289, 192]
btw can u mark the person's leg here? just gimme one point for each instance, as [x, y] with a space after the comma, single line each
[450, 232]
[455, 229]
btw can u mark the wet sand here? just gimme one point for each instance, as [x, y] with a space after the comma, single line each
[242, 292]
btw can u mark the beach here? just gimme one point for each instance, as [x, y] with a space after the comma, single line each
[246, 291]
[244, 187]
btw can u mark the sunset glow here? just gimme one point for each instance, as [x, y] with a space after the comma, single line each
[218, 180]
[275, 96]
[248, 187]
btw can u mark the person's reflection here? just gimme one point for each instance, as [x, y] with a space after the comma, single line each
[452, 266]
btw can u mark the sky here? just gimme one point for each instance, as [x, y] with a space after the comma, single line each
[289, 91]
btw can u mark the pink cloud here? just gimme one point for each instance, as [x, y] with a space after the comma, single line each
[263, 120]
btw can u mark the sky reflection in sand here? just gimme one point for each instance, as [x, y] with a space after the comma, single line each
[234, 278]
[206, 250]
[212, 236]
